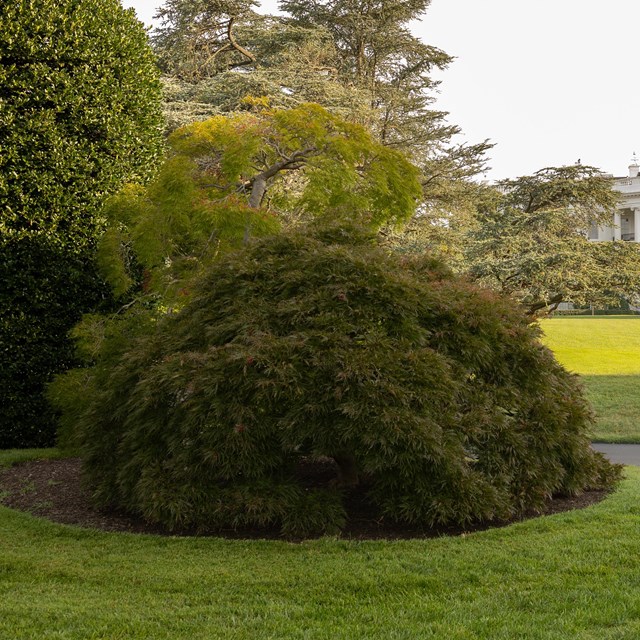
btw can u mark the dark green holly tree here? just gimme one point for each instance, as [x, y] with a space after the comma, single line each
[79, 116]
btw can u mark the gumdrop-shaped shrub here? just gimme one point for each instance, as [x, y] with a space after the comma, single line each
[430, 394]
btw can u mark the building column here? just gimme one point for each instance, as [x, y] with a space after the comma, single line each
[617, 229]
[636, 224]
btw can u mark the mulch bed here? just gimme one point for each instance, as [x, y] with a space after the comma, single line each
[53, 489]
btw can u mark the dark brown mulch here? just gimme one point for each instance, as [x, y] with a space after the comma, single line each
[52, 489]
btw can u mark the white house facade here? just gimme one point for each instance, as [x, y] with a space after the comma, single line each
[626, 222]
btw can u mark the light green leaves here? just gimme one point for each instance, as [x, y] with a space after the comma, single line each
[230, 178]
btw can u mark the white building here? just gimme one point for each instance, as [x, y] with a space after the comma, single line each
[626, 223]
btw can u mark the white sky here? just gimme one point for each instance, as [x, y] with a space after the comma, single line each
[549, 82]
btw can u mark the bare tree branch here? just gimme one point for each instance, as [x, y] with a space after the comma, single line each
[543, 304]
[258, 183]
[238, 47]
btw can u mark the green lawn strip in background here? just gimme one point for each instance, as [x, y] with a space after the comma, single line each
[608, 345]
[606, 352]
[574, 575]
[616, 400]
[13, 456]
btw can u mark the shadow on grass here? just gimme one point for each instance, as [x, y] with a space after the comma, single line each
[616, 401]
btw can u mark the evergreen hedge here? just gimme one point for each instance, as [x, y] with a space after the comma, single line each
[432, 395]
[79, 115]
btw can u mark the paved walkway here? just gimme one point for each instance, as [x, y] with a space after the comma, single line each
[623, 453]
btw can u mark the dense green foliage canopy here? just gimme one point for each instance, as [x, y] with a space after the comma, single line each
[79, 115]
[233, 177]
[531, 242]
[227, 180]
[434, 397]
[356, 58]
[196, 38]
[216, 53]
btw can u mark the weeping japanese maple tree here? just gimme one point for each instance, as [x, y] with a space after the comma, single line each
[432, 396]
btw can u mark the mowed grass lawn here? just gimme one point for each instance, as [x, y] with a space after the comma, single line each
[605, 351]
[571, 576]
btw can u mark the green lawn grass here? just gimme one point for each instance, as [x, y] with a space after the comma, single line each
[606, 352]
[13, 456]
[571, 576]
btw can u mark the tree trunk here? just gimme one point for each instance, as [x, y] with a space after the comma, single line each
[258, 190]
[543, 304]
[347, 470]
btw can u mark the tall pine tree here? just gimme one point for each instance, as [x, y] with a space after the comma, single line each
[379, 54]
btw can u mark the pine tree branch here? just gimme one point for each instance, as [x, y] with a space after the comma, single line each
[238, 47]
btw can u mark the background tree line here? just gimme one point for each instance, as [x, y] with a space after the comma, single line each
[525, 236]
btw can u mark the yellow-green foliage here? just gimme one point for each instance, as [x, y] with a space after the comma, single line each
[226, 145]
[351, 175]
[345, 171]
[173, 227]
[203, 200]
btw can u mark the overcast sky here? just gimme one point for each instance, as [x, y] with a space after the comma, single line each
[549, 82]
